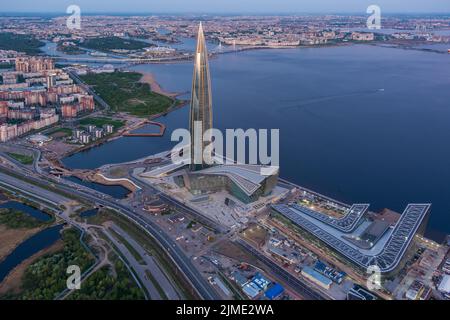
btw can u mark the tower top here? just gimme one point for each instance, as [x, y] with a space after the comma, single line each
[201, 103]
[201, 47]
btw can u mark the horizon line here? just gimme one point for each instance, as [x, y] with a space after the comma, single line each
[226, 13]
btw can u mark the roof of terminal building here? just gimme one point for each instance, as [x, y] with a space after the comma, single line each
[347, 223]
[386, 254]
[162, 170]
[248, 177]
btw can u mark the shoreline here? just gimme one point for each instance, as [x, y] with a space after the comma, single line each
[149, 78]
[155, 87]
[13, 280]
[18, 236]
[122, 133]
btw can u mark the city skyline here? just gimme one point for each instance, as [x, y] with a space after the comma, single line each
[223, 7]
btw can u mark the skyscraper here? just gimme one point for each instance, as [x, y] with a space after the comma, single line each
[201, 104]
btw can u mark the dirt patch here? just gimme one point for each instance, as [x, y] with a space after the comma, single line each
[255, 234]
[13, 281]
[124, 183]
[58, 135]
[11, 238]
[235, 252]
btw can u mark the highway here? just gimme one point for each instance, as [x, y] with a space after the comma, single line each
[9, 146]
[150, 265]
[97, 98]
[211, 224]
[183, 263]
[34, 191]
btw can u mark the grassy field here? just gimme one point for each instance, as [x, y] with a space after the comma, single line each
[60, 132]
[104, 285]
[15, 219]
[130, 248]
[113, 43]
[20, 42]
[22, 158]
[124, 93]
[100, 121]
[46, 277]
[149, 244]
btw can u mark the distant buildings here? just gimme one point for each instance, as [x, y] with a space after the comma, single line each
[77, 133]
[254, 40]
[107, 68]
[91, 133]
[36, 95]
[75, 104]
[362, 36]
[34, 64]
[85, 138]
[8, 132]
[159, 51]
[97, 133]
[109, 128]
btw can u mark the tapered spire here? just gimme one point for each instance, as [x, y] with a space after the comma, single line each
[201, 102]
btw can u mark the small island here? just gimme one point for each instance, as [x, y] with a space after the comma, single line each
[114, 44]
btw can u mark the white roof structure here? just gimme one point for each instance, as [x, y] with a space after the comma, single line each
[161, 171]
[39, 138]
[386, 253]
[444, 286]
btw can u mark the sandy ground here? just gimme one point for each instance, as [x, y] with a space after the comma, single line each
[11, 238]
[124, 183]
[13, 281]
[154, 85]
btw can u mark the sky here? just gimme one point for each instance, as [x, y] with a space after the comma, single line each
[226, 6]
